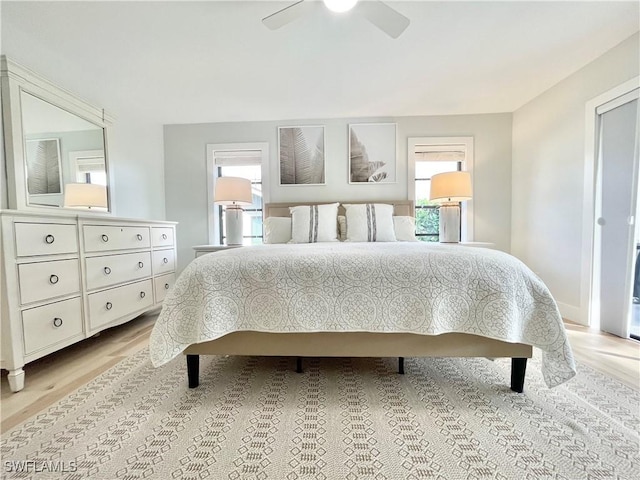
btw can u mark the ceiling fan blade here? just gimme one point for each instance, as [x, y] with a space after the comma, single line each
[387, 19]
[286, 15]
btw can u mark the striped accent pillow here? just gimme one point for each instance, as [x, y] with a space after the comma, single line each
[370, 222]
[314, 223]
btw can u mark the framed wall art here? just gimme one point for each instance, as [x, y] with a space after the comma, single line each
[301, 151]
[44, 170]
[372, 153]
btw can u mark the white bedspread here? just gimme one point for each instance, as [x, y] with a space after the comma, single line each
[373, 287]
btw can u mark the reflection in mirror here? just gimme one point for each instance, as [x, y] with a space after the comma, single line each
[60, 149]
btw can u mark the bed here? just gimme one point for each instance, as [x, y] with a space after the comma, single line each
[341, 299]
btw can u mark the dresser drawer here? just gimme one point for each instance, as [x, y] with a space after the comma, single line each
[163, 261]
[50, 324]
[113, 269]
[163, 284]
[162, 236]
[110, 305]
[100, 238]
[45, 239]
[44, 280]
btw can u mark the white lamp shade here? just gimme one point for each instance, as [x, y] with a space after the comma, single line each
[450, 187]
[232, 191]
[85, 195]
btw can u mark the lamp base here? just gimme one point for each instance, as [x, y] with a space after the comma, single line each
[449, 224]
[233, 225]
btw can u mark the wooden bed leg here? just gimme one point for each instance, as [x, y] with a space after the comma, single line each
[193, 370]
[518, 369]
[401, 365]
[299, 365]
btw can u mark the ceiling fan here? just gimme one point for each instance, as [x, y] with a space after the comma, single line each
[387, 19]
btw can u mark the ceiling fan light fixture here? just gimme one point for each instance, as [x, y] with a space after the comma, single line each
[340, 6]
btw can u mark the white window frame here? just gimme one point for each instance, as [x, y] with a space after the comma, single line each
[466, 213]
[212, 174]
[80, 157]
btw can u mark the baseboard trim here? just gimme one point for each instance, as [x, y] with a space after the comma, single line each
[571, 312]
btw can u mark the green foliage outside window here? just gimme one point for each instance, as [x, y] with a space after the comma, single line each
[427, 221]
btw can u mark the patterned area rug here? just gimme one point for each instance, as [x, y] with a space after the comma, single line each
[340, 419]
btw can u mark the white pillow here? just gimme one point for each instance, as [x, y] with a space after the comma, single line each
[314, 223]
[370, 222]
[277, 230]
[405, 229]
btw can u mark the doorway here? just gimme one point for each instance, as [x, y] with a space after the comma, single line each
[634, 328]
[615, 236]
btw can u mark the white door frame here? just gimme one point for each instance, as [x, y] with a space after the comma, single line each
[589, 259]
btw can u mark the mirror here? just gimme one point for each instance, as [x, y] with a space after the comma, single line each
[60, 149]
[55, 146]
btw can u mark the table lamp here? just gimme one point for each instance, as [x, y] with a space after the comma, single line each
[233, 192]
[449, 189]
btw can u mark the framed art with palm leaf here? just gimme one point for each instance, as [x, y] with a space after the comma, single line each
[44, 169]
[301, 152]
[372, 153]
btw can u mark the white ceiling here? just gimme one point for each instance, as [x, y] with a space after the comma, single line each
[214, 61]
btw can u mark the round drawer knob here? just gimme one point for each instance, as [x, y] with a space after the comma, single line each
[107, 270]
[57, 322]
[49, 239]
[53, 279]
[140, 264]
[166, 286]
[139, 237]
[164, 236]
[142, 294]
[165, 260]
[105, 238]
[109, 306]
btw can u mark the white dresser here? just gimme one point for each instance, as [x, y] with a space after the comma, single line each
[66, 277]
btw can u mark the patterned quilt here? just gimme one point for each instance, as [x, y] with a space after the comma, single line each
[375, 287]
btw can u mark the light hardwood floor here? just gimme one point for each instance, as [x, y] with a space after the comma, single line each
[55, 376]
[51, 378]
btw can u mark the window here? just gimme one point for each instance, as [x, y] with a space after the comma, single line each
[428, 157]
[246, 160]
[89, 166]
[427, 213]
[252, 218]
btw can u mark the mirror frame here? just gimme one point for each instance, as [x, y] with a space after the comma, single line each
[15, 79]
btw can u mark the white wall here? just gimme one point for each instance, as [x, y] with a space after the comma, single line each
[136, 167]
[186, 182]
[548, 172]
